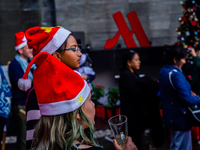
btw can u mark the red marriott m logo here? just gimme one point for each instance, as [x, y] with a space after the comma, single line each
[126, 33]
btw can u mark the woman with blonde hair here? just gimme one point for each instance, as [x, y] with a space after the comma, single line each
[65, 105]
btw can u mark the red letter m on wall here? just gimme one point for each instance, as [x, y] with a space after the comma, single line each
[126, 33]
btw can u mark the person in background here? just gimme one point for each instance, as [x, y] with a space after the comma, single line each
[176, 95]
[66, 107]
[191, 69]
[139, 101]
[61, 44]
[16, 69]
[4, 101]
[85, 69]
[130, 94]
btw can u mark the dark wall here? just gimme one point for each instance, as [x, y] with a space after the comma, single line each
[106, 64]
[19, 15]
[112, 58]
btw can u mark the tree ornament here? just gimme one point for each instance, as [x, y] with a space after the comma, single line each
[187, 33]
[185, 6]
[189, 28]
[194, 23]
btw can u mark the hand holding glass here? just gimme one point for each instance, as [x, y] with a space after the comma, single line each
[119, 127]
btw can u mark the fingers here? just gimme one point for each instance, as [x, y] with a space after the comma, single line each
[130, 145]
[192, 51]
[117, 147]
[84, 76]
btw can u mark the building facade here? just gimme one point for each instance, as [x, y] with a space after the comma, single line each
[159, 19]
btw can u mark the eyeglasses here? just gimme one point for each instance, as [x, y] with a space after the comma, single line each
[76, 49]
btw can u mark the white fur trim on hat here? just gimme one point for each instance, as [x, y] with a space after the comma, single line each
[65, 106]
[57, 40]
[24, 84]
[21, 45]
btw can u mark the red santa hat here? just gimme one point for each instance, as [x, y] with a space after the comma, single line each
[46, 39]
[20, 40]
[58, 88]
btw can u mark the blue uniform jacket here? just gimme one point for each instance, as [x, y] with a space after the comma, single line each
[175, 101]
[4, 92]
[16, 72]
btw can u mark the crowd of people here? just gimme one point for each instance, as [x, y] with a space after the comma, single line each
[140, 96]
[50, 80]
[45, 82]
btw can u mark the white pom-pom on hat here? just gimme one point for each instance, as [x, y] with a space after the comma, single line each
[24, 84]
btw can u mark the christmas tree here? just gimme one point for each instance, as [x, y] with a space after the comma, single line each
[189, 29]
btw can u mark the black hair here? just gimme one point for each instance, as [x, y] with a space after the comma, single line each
[63, 46]
[174, 51]
[128, 56]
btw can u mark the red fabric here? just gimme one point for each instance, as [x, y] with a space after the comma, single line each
[195, 133]
[100, 111]
[38, 37]
[53, 80]
[18, 38]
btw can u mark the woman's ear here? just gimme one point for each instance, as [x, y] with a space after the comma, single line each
[78, 117]
[174, 60]
[128, 63]
[56, 55]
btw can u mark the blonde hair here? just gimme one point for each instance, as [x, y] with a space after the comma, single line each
[61, 131]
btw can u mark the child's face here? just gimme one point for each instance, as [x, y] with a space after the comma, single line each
[89, 109]
[70, 57]
[134, 64]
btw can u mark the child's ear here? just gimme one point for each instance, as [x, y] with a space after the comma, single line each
[56, 55]
[78, 117]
